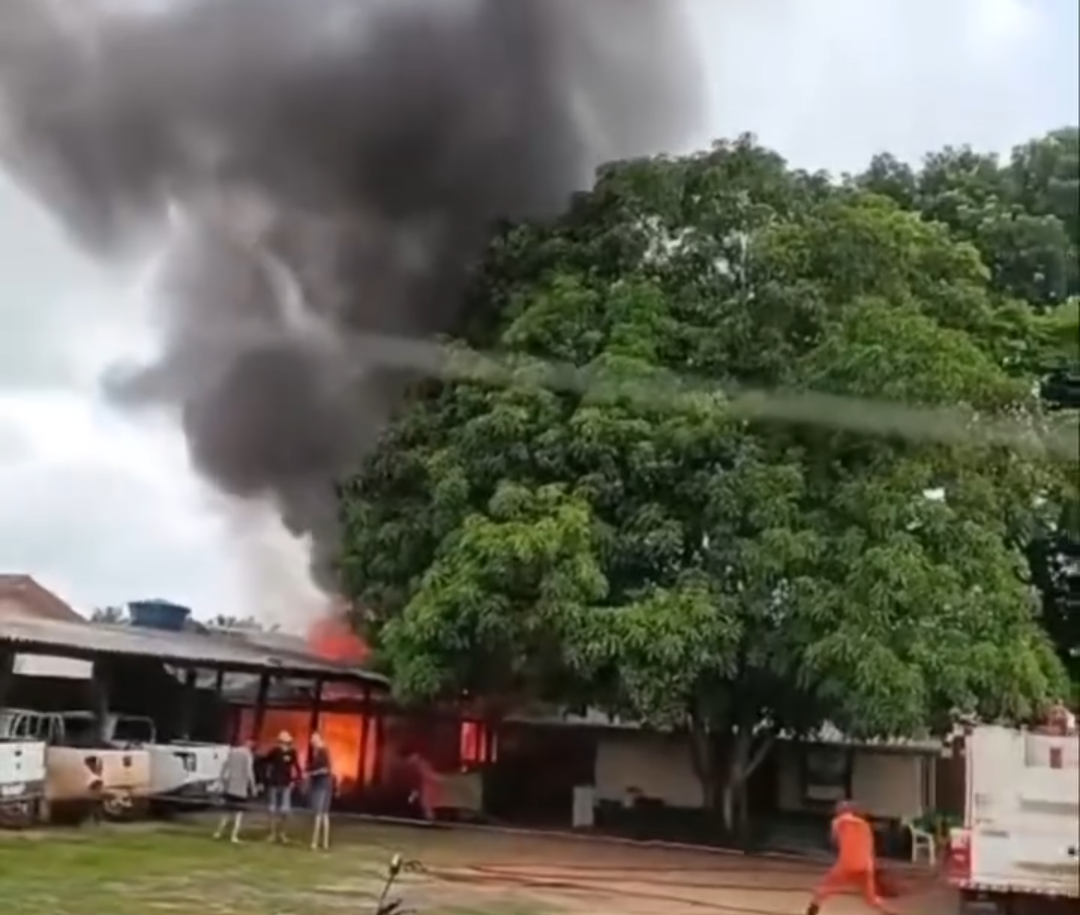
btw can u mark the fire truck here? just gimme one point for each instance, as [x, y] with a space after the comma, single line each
[1017, 851]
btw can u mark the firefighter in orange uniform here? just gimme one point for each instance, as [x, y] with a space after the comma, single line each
[854, 867]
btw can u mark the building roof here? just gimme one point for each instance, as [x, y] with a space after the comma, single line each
[184, 649]
[828, 733]
[38, 601]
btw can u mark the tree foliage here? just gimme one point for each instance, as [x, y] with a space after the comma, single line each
[587, 527]
[111, 615]
[1023, 215]
[226, 621]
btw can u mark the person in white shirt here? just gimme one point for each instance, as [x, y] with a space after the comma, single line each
[238, 787]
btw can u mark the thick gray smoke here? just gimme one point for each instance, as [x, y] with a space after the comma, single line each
[325, 169]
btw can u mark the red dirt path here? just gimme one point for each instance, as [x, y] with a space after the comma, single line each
[564, 875]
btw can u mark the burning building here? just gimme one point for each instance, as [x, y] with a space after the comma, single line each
[368, 736]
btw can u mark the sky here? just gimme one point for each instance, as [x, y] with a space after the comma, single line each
[103, 509]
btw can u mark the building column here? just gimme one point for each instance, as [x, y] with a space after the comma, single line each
[7, 674]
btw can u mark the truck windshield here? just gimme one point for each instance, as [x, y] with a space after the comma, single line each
[17, 724]
[133, 730]
[80, 731]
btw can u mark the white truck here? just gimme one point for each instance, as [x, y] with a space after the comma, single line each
[179, 767]
[22, 780]
[1017, 852]
[123, 772]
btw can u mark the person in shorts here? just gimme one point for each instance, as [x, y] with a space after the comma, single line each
[281, 767]
[320, 783]
[238, 786]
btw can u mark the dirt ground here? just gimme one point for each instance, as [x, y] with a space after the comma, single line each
[586, 877]
[140, 868]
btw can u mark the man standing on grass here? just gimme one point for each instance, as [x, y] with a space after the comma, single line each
[238, 786]
[320, 780]
[282, 773]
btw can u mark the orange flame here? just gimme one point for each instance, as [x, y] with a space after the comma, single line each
[332, 638]
[350, 739]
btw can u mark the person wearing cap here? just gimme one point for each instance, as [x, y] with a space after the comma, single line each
[855, 866]
[282, 772]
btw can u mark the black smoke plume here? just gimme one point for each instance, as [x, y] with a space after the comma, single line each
[325, 169]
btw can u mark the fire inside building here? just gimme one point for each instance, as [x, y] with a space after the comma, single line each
[370, 739]
[212, 685]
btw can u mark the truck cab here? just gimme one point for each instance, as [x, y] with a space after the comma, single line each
[76, 728]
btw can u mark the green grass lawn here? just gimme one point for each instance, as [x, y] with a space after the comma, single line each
[142, 869]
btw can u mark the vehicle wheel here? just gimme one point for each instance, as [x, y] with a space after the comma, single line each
[116, 809]
[973, 902]
[11, 815]
[29, 813]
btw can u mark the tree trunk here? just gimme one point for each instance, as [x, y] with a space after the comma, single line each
[724, 767]
[728, 807]
[703, 761]
[745, 753]
[736, 753]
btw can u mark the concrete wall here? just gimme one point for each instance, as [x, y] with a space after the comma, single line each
[658, 765]
[886, 784]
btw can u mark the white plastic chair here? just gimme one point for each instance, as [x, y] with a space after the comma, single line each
[922, 843]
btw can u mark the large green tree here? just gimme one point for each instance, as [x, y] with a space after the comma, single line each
[1023, 215]
[612, 513]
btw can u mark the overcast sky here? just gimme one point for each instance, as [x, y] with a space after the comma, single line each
[104, 511]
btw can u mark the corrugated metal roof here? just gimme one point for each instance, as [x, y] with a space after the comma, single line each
[38, 600]
[179, 648]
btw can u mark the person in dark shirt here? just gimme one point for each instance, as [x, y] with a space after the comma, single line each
[320, 790]
[281, 771]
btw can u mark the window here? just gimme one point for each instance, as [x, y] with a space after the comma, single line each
[133, 730]
[478, 745]
[24, 726]
[80, 731]
[826, 775]
[9, 726]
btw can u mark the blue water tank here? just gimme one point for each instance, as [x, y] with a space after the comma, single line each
[158, 614]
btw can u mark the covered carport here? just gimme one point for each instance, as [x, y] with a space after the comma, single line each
[170, 675]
